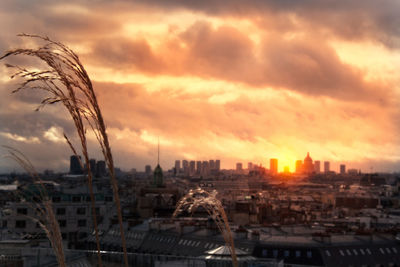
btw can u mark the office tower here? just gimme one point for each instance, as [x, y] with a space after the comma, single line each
[101, 168]
[317, 166]
[185, 166]
[299, 166]
[308, 166]
[273, 166]
[147, 170]
[211, 164]
[250, 166]
[205, 168]
[342, 169]
[177, 166]
[326, 166]
[198, 167]
[192, 167]
[218, 165]
[239, 167]
[74, 165]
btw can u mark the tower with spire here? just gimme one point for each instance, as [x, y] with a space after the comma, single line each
[158, 180]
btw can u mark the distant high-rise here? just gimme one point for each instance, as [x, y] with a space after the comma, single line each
[185, 166]
[317, 166]
[205, 168]
[239, 166]
[147, 170]
[308, 166]
[218, 165]
[342, 169]
[299, 166]
[273, 166]
[177, 166]
[92, 163]
[198, 167]
[192, 167]
[250, 166]
[326, 166]
[212, 164]
[101, 168]
[74, 165]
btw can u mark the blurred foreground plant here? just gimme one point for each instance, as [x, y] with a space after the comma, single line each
[196, 198]
[67, 81]
[45, 216]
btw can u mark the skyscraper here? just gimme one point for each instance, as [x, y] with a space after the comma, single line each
[326, 166]
[185, 166]
[147, 170]
[192, 167]
[299, 166]
[212, 164]
[342, 169]
[74, 165]
[239, 167]
[198, 167]
[317, 166]
[250, 166]
[218, 165]
[177, 166]
[92, 163]
[273, 166]
[308, 166]
[101, 168]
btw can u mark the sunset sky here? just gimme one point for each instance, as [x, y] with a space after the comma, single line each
[232, 80]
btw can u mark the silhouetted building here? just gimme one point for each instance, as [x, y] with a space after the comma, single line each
[192, 167]
[198, 167]
[326, 166]
[250, 166]
[147, 170]
[177, 166]
[239, 167]
[308, 166]
[342, 169]
[317, 166]
[218, 165]
[273, 166]
[212, 164]
[74, 165]
[101, 168]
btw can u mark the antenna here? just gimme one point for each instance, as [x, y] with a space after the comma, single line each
[158, 155]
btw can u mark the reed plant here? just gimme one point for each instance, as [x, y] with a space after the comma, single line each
[196, 198]
[66, 80]
[43, 207]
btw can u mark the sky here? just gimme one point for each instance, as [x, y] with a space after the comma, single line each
[239, 81]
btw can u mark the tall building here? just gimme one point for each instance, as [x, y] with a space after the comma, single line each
[218, 165]
[326, 166]
[308, 166]
[147, 170]
[299, 166]
[177, 166]
[185, 166]
[212, 164]
[250, 166]
[101, 168]
[192, 167]
[317, 166]
[273, 166]
[205, 168]
[342, 169]
[198, 167]
[92, 163]
[74, 165]
[239, 167]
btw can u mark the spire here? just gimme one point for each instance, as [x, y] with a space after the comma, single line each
[158, 155]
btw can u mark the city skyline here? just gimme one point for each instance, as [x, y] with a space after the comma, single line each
[235, 81]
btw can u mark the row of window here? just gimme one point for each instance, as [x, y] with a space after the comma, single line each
[361, 251]
[61, 223]
[59, 211]
[287, 253]
[57, 199]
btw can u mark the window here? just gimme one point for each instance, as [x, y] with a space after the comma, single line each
[394, 250]
[368, 251]
[22, 211]
[20, 224]
[56, 199]
[108, 198]
[309, 254]
[348, 252]
[81, 223]
[81, 211]
[388, 250]
[64, 235]
[62, 223]
[355, 252]
[76, 199]
[381, 250]
[286, 253]
[61, 211]
[341, 252]
[328, 253]
[362, 251]
[4, 224]
[264, 253]
[275, 253]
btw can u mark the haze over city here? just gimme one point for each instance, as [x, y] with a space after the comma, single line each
[238, 81]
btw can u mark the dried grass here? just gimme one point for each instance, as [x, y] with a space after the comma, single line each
[44, 208]
[67, 81]
[196, 198]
